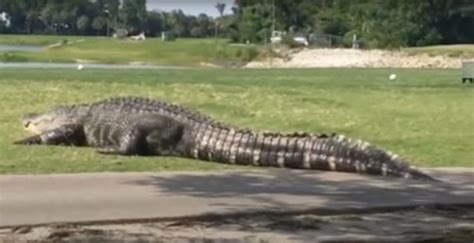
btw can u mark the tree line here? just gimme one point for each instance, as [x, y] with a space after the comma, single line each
[98, 17]
[378, 23]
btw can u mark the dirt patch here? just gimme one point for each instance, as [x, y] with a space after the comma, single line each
[323, 58]
[447, 224]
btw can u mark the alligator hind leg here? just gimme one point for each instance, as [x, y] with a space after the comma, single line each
[166, 142]
[65, 135]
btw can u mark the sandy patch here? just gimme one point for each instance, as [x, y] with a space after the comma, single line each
[324, 58]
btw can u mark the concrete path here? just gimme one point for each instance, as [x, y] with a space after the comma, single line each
[40, 199]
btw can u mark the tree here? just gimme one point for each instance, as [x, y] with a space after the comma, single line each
[154, 23]
[31, 21]
[253, 23]
[112, 8]
[205, 24]
[179, 23]
[99, 24]
[220, 8]
[82, 24]
[134, 14]
[48, 16]
[15, 10]
[32, 10]
[380, 23]
[197, 32]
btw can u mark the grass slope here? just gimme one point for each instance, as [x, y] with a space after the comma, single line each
[425, 115]
[187, 52]
[466, 50]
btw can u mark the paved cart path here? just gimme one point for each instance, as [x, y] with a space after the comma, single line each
[42, 199]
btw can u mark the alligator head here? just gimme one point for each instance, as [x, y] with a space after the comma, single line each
[53, 119]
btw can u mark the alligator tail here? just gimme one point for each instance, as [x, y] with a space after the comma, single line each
[299, 150]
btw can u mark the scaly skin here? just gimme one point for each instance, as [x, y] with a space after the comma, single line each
[149, 127]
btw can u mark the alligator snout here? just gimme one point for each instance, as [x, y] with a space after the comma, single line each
[27, 119]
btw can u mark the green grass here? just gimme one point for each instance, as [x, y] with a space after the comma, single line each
[425, 115]
[182, 52]
[466, 50]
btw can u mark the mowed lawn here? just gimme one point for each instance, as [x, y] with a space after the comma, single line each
[426, 116]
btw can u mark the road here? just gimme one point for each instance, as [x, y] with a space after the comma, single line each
[43, 199]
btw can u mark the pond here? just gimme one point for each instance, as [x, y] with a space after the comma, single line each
[25, 48]
[84, 66]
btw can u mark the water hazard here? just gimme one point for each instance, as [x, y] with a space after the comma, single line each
[24, 48]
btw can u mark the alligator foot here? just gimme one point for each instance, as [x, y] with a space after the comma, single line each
[69, 134]
[30, 141]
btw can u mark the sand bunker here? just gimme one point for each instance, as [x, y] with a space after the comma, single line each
[323, 58]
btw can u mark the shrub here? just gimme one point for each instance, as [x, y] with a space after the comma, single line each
[247, 54]
[290, 42]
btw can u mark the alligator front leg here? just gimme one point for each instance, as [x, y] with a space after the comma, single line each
[65, 135]
[159, 142]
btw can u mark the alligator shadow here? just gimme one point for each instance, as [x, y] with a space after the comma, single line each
[285, 190]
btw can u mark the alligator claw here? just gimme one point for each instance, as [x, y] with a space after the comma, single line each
[107, 150]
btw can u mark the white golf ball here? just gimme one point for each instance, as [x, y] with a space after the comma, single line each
[80, 67]
[392, 76]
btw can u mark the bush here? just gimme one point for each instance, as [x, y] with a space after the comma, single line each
[348, 38]
[289, 41]
[121, 33]
[168, 36]
[246, 54]
[221, 52]
[226, 55]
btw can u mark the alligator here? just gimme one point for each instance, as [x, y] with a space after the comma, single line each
[141, 126]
